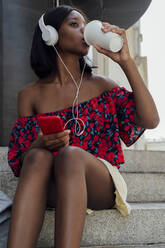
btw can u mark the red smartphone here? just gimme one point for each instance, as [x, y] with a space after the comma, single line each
[50, 124]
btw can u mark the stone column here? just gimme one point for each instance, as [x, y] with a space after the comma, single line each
[17, 22]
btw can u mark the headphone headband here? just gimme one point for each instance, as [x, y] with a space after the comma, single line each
[41, 23]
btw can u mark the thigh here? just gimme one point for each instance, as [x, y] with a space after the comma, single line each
[100, 186]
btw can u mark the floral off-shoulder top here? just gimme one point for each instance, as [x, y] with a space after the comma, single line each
[107, 117]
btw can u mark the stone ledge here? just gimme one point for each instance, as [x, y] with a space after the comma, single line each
[102, 228]
[120, 246]
[135, 161]
[143, 161]
[142, 187]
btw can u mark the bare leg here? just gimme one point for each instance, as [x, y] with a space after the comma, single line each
[30, 199]
[71, 195]
[74, 169]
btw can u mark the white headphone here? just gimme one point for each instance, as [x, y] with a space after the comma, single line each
[49, 33]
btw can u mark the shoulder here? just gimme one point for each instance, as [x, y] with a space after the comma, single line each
[29, 87]
[104, 83]
[28, 91]
[25, 99]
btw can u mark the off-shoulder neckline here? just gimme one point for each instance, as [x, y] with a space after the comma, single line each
[60, 110]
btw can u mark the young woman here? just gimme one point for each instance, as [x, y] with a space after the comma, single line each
[67, 171]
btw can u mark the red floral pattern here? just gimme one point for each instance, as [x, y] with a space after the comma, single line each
[108, 117]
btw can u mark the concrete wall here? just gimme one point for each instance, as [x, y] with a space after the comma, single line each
[18, 22]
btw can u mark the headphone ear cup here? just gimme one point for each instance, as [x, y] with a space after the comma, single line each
[50, 36]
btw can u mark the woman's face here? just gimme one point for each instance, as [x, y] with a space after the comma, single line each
[71, 37]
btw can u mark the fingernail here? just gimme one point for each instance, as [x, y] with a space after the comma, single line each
[68, 131]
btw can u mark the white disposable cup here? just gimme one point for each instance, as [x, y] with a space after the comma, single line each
[94, 35]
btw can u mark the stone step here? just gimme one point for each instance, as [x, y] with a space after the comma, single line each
[145, 187]
[120, 246]
[144, 161]
[129, 246]
[142, 187]
[144, 174]
[135, 161]
[108, 228]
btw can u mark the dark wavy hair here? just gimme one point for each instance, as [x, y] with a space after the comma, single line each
[43, 57]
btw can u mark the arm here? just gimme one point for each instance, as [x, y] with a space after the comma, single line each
[24, 103]
[146, 114]
[24, 106]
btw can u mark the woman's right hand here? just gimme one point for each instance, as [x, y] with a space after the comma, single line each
[52, 142]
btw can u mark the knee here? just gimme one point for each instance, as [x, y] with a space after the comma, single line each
[38, 154]
[36, 158]
[70, 153]
[69, 159]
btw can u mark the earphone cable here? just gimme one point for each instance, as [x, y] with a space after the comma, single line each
[76, 98]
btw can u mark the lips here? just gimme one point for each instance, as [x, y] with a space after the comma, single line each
[83, 41]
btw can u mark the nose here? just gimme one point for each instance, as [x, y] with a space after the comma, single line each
[82, 27]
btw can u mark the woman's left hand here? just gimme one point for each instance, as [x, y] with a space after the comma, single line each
[123, 55]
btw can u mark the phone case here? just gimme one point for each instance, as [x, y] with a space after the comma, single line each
[50, 124]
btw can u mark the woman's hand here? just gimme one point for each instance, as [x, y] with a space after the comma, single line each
[123, 55]
[52, 142]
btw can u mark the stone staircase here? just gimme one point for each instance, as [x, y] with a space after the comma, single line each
[144, 173]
